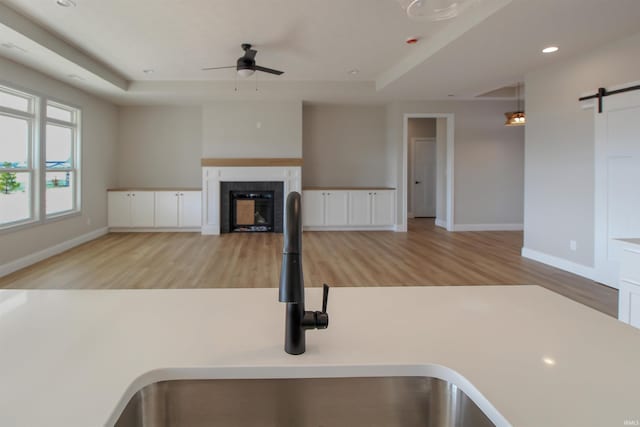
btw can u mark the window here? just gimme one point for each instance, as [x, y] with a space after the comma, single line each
[61, 150]
[39, 158]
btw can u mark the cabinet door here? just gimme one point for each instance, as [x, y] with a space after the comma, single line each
[166, 212]
[336, 207]
[360, 207]
[119, 211]
[190, 209]
[312, 208]
[142, 208]
[382, 212]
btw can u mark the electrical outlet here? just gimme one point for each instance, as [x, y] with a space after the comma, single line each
[573, 245]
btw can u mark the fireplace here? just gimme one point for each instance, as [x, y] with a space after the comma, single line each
[251, 206]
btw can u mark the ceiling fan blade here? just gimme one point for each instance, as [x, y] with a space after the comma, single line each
[268, 70]
[250, 54]
[218, 68]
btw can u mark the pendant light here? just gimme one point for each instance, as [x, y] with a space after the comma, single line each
[516, 118]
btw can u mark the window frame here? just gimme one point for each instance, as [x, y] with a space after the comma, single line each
[75, 169]
[37, 158]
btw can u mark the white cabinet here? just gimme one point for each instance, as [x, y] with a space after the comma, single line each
[371, 207]
[131, 208]
[190, 209]
[313, 208]
[348, 209]
[335, 208]
[167, 208]
[629, 294]
[155, 209]
[325, 208]
[382, 207]
[359, 207]
[182, 209]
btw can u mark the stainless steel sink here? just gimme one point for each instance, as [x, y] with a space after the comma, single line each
[384, 401]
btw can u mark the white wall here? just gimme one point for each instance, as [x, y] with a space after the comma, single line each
[252, 129]
[489, 159]
[344, 145]
[160, 147]
[99, 136]
[559, 179]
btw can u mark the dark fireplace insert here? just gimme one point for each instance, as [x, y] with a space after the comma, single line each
[255, 207]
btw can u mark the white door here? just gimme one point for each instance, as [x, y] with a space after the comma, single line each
[313, 208]
[142, 208]
[190, 209]
[424, 177]
[166, 214]
[360, 207]
[382, 208]
[336, 205]
[119, 210]
[617, 212]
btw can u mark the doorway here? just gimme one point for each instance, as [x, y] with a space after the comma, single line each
[428, 167]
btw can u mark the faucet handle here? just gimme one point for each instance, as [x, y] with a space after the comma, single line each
[325, 297]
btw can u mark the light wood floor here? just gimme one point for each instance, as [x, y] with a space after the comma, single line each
[426, 255]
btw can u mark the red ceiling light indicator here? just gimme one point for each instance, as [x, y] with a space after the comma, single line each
[412, 40]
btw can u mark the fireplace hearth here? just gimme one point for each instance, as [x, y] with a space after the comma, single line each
[254, 207]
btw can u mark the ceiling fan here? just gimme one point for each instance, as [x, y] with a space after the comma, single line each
[246, 64]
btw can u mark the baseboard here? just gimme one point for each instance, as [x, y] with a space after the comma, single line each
[210, 230]
[155, 230]
[561, 263]
[28, 260]
[351, 228]
[441, 223]
[488, 227]
[410, 215]
[401, 228]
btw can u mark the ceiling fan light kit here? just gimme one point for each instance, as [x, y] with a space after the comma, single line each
[246, 64]
[516, 118]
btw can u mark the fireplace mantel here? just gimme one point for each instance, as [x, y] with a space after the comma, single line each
[212, 176]
[243, 162]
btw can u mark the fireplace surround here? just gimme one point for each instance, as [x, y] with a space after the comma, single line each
[251, 206]
[217, 171]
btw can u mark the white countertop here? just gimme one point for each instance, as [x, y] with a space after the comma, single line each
[74, 358]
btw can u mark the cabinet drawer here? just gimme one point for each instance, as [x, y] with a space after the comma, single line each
[630, 264]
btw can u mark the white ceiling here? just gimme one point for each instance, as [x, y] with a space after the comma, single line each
[315, 42]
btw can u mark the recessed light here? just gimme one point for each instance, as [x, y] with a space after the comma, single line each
[550, 49]
[548, 361]
[66, 3]
[75, 77]
[148, 71]
[354, 71]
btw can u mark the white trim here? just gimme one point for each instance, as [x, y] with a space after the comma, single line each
[441, 223]
[450, 162]
[352, 228]
[561, 263]
[487, 227]
[410, 215]
[28, 260]
[156, 230]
